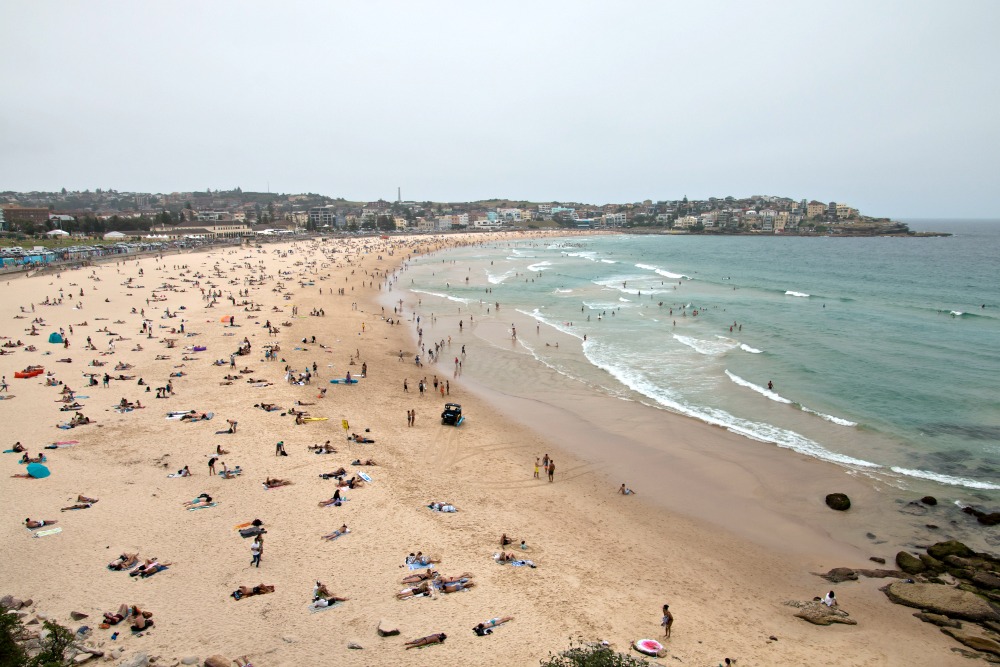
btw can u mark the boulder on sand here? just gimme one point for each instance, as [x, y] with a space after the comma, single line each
[909, 563]
[838, 501]
[939, 599]
[818, 613]
[839, 574]
[387, 629]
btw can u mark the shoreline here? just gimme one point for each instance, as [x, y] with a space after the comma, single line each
[605, 563]
[880, 506]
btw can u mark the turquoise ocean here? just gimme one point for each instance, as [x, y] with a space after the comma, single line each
[883, 353]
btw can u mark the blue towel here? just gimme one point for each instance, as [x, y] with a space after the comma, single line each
[201, 507]
[418, 566]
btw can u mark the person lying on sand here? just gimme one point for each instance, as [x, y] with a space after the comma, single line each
[421, 559]
[325, 448]
[335, 500]
[456, 586]
[460, 579]
[436, 638]
[267, 407]
[343, 530]
[366, 462]
[194, 416]
[219, 450]
[149, 568]
[340, 472]
[201, 501]
[363, 440]
[273, 483]
[115, 618]
[417, 577]
[420, 590]
[28, 459]
[248, 591]
[124, 562]
[77, 506]
[38, 524]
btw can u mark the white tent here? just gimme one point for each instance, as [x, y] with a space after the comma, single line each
[117, 236]
[57, 232]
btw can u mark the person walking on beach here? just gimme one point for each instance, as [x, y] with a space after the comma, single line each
[552, 470]
[256, 549]
[668, 620]
[3, 384]
[211, 465]
[536, 467]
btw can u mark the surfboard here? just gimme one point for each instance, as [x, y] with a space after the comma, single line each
[314, 419]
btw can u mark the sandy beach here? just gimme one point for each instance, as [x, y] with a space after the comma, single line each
[723, 532]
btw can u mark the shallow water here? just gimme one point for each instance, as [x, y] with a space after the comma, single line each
[881, 357]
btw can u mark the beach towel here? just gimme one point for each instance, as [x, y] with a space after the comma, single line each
[230, 474]
[522, 563]
[314, 419]
[177, 474]
[201, 507]
[418, 566]
[6, 398]
[48, 531]
[314, 609]
[364, 476]
[64, 427]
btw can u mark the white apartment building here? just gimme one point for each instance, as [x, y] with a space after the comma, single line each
[509, 214]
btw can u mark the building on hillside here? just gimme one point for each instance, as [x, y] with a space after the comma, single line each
[845, 212]
[686, 222]
[615, 219]
[323, 215]
[486, 223]
[38, 216]
[565, 212]
[545, 209]
[509, 214]
[815, 209]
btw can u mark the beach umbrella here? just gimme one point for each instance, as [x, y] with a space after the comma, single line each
[226, 318]
[37, 470]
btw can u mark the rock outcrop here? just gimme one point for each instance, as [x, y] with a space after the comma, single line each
[909, 563]
[818, 613]
[939, 599]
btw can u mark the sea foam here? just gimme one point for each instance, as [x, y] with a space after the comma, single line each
[946, 479]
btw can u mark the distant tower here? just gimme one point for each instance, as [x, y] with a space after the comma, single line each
[399, 195]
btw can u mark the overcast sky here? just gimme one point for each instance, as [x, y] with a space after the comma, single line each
[888, 106]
